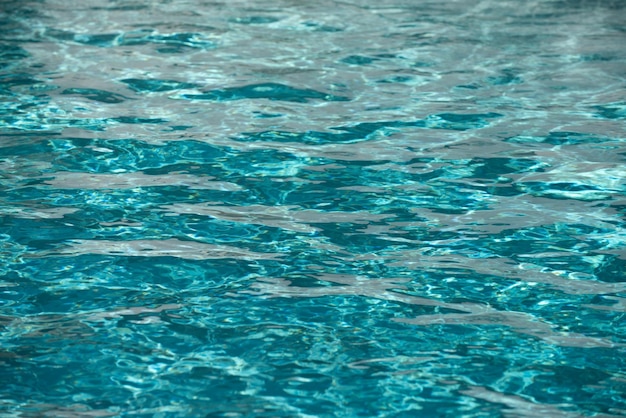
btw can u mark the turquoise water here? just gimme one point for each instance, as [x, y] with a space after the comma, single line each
[357, 208]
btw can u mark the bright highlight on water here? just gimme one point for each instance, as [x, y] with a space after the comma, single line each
[393, 208]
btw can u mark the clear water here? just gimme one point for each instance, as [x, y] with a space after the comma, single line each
[390, 208]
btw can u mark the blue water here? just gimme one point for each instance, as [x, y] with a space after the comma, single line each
[354, 208]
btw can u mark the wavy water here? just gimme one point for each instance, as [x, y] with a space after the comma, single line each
[313, 209]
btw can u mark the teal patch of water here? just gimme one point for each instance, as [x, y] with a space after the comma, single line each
[271, 91]
[140, 85]
[96, 95]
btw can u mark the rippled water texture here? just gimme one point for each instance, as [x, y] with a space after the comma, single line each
[393, 208]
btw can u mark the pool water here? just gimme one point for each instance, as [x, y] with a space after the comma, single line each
[359, 208]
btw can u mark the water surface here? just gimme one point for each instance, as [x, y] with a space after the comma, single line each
[330, 209]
